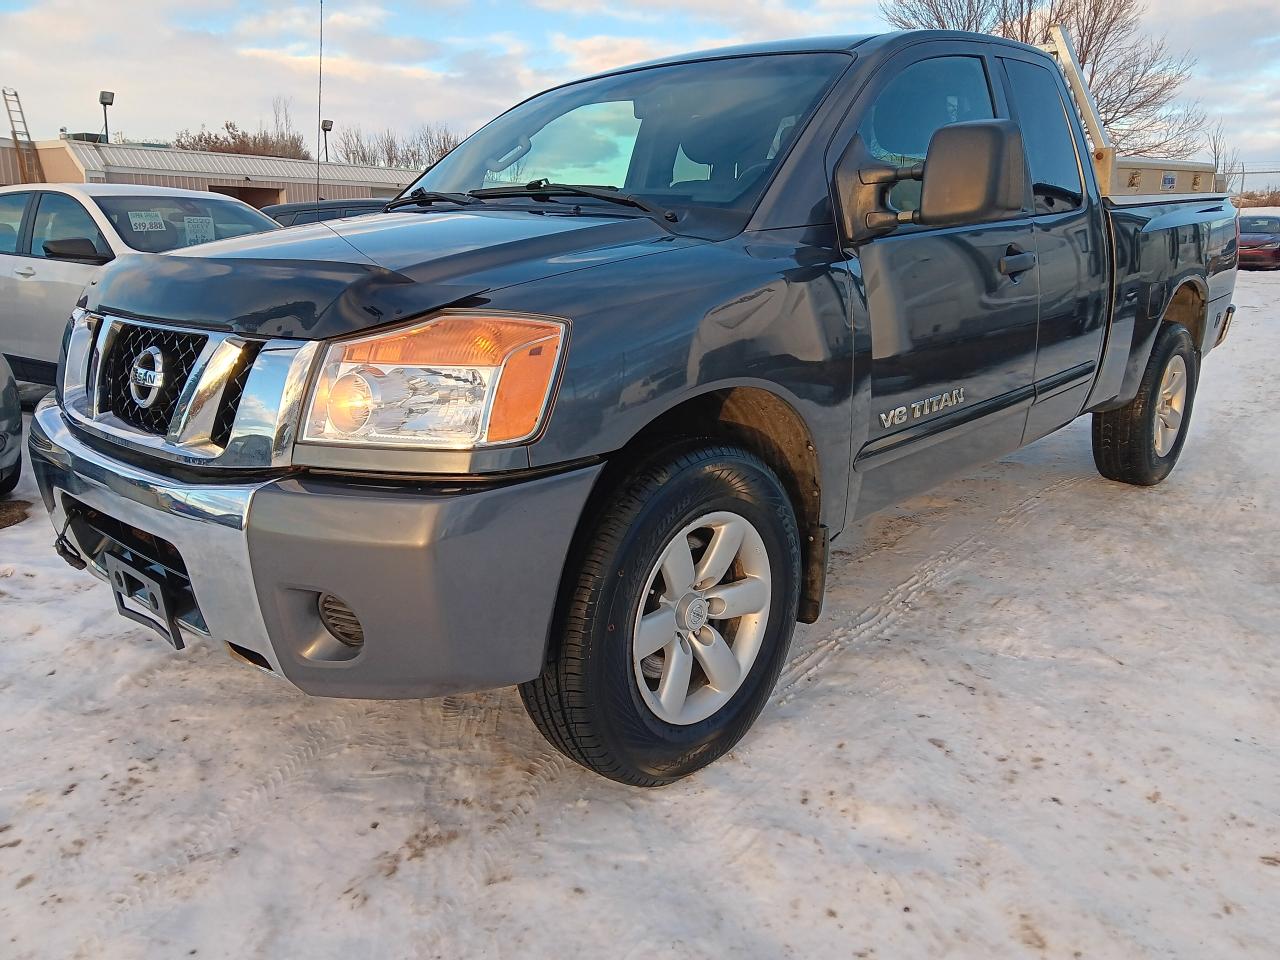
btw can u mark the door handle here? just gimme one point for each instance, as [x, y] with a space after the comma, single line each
[1015, 261]
[24, 271]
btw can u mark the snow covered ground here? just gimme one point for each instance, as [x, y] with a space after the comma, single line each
[1040, 717]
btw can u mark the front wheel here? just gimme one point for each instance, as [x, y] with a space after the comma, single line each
[676, 621]
[1140, 443]
[9, 480]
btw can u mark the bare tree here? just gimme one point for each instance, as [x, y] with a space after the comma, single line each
[1226, 159]
[282, 140]
[978, 16]
[1134, 77]
[414, 150]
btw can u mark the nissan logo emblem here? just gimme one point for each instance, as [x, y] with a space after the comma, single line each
[146, 377]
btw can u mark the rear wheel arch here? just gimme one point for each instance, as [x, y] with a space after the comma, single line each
[1189, 306]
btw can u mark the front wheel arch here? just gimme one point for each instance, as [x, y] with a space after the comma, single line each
[757, 420]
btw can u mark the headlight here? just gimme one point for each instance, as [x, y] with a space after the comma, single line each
[459, 380]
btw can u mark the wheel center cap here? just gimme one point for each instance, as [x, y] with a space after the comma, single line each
[693, 612]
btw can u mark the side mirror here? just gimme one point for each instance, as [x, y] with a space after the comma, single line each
[75, 248]
[973, 172]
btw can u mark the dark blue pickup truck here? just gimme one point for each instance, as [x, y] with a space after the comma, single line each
[584, 409]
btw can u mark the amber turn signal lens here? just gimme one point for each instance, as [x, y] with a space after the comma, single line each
[522, 391]
[457, 340]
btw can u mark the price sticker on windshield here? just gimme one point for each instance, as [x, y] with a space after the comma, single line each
[145, 221]
[199, 229]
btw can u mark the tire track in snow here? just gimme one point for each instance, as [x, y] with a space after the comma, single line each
[215, 832]
[467, 716]
[891, 607]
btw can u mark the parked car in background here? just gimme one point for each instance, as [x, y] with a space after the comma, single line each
[10, 430]
[1260, 241]
[289, 214]
[54, 239]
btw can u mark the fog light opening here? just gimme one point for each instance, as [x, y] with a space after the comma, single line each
[340, 620]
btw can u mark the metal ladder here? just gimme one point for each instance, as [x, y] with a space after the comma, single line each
[1118, 175]
[29, 168]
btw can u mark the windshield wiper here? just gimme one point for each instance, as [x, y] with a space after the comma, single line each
[545, 188]
[423, 198]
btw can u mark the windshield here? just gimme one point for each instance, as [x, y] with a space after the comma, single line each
[158, 223]
[703, 134]
[1260, 224]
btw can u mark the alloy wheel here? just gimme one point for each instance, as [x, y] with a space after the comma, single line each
[702, 618]
[1171, 405]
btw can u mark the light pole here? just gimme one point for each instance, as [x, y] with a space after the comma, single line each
[106, 98]
[326, 126]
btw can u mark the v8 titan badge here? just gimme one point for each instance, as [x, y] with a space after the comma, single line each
[920, 408]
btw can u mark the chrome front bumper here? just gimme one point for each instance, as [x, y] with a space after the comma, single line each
[455, 586]
[206, 523]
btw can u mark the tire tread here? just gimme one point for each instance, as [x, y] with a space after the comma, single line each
[558, 700]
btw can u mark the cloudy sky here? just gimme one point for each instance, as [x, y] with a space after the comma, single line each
[182, 63]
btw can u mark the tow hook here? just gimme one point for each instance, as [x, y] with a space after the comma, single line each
[66, 551]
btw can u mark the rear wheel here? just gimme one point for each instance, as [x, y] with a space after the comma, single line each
[677, 621]
[1140, 443]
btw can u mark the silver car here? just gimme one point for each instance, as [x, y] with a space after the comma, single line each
[54, 238]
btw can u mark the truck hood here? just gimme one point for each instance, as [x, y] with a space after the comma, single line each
[328, 279]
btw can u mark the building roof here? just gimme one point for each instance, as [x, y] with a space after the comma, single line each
[108, 190]
[99, 159]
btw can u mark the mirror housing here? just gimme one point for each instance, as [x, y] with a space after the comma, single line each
[75, 248]
[974, 172]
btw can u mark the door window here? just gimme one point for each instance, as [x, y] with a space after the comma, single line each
[11, 207]
[1051, 150]
[923, 97]
[59, 217]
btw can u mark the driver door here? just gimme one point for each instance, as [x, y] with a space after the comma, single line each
[952, 311]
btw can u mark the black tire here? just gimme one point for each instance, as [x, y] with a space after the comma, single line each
[587, 702]
[9, 480]
[1124, 440]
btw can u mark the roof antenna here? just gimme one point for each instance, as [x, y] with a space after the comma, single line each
[319, 107]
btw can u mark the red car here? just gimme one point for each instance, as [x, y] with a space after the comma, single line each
[1260, 241]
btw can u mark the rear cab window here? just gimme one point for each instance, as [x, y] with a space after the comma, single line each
[1051, 150]
[156, 224]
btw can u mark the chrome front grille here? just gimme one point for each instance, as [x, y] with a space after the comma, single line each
[179, 351]
[231, 397]
[223, 400]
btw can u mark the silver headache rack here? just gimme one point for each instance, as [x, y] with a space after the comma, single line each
[1126, 176]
